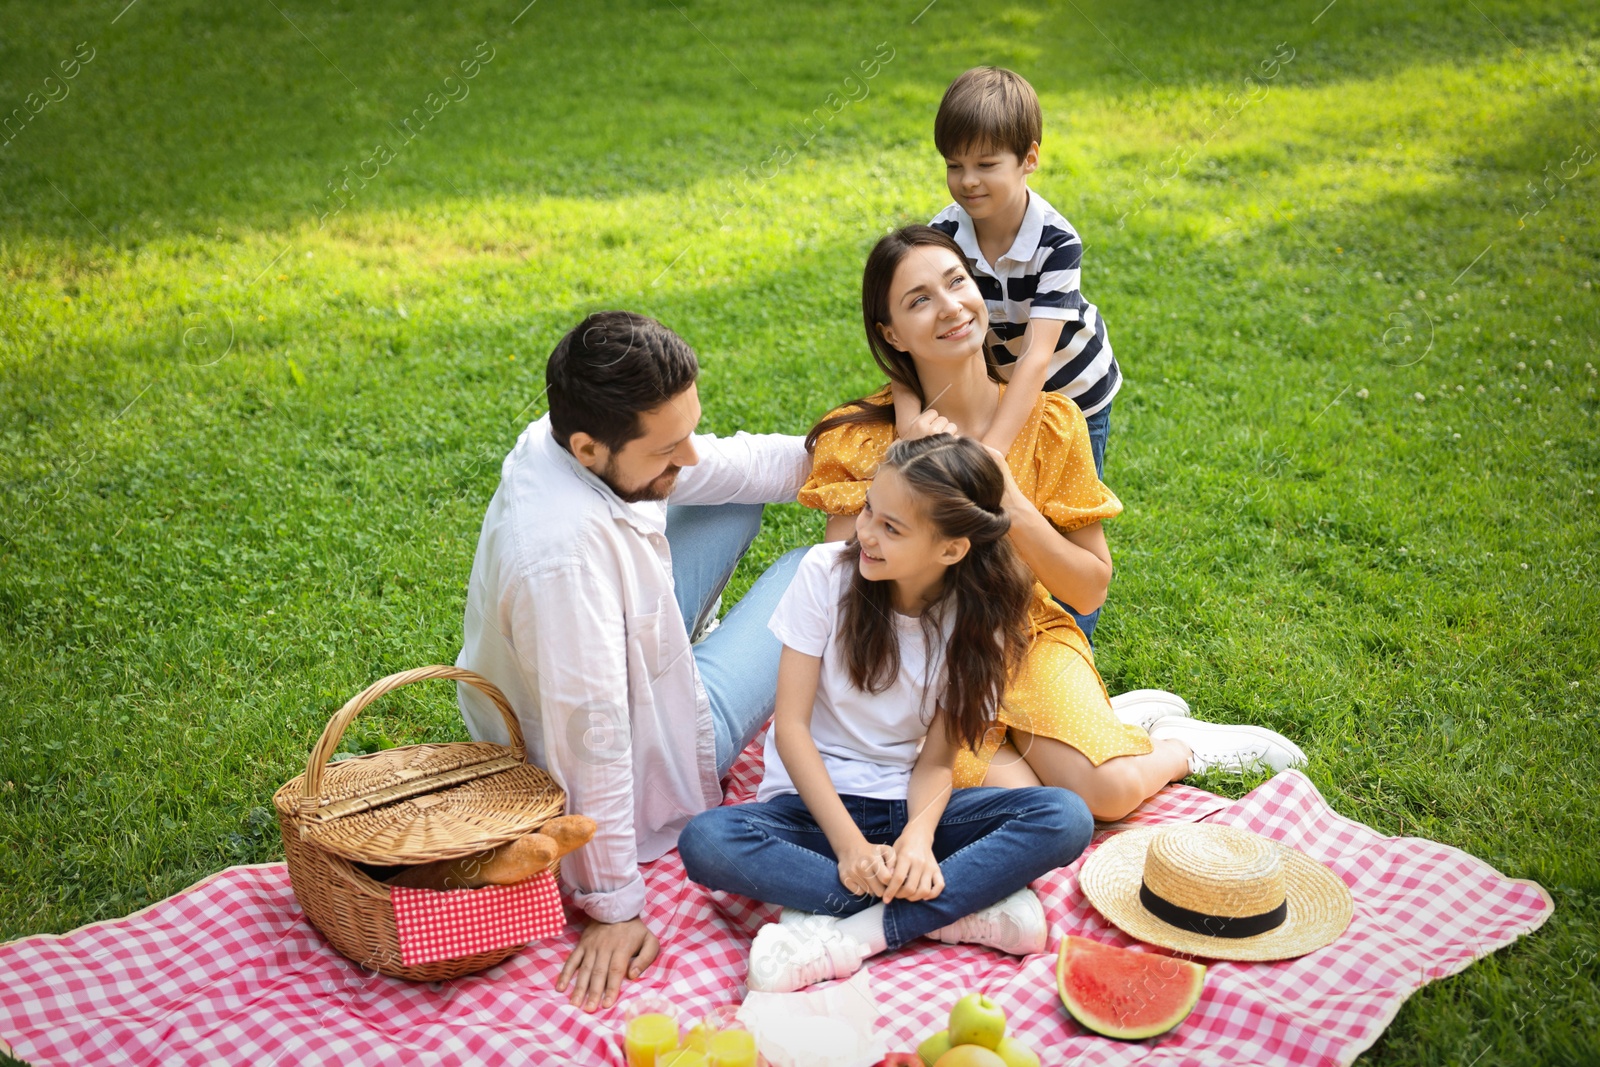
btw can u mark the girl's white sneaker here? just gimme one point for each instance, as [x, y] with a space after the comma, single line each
[784, 958]
[1224, 746]
[1142, 707]
[1015, 924]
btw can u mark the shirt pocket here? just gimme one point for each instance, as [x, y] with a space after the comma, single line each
[648, 646]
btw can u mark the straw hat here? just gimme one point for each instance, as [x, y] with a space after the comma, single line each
[1216, 892]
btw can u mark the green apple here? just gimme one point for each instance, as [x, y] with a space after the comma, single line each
[977, 1020]
[1015, 1053]
[936, 1046]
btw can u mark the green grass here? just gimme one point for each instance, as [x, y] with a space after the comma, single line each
[243, 457]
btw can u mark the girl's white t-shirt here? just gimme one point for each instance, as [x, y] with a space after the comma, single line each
[868, 741]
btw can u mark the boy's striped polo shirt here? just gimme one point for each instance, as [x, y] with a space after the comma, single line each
[1038, 278]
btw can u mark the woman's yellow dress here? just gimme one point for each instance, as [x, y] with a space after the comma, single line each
[1058, 693]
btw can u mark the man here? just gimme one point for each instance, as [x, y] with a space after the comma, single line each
[586, 591]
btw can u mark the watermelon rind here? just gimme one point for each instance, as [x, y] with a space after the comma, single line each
[1118, 993]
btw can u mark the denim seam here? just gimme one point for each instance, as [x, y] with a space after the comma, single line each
[1009, 814]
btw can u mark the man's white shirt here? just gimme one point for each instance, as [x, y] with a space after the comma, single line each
[570, 611]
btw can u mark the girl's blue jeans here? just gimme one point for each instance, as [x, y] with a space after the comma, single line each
[990, 843]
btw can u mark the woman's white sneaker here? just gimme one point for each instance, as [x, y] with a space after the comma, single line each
[1015, 924]
[1142, 707]
[1224, 746]
[784, 958]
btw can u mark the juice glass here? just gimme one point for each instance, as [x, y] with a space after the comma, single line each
[650, 1028]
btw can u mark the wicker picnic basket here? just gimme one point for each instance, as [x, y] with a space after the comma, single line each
[412, 804]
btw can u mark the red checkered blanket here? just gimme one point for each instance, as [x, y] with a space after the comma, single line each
[228, 972]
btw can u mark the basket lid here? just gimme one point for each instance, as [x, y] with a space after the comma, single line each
[418, 803]
[423, 802]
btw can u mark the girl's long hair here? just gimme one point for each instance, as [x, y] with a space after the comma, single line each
[985, 596]
[882, 262]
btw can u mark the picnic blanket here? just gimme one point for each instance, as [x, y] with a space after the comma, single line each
[228, 971]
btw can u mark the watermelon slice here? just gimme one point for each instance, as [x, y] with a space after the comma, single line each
[1130, 995]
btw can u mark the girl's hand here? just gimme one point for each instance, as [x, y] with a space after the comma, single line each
[927, 424]
[865, 870]
[916, 873]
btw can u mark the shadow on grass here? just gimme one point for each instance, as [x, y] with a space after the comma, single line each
[186, 121]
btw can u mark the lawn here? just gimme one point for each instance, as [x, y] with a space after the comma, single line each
[280, 281]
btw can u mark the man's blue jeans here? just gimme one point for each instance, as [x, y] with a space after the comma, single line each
[1099, 427]
[738, 661]
[990, 843]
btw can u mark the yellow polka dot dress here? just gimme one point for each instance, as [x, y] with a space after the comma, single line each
[1058, 693]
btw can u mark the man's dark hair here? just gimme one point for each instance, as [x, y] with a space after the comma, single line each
[609, 368]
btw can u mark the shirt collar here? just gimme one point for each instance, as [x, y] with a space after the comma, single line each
[967, 235]
[648, 516]
[1027, 242]
[1022, 248]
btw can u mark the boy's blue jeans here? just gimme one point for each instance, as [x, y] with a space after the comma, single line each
[990, 843]
[1099, 427]
[738, 661]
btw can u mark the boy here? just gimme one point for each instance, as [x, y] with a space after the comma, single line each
[1046, 335]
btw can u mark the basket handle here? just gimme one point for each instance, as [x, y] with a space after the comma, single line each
[322, 751]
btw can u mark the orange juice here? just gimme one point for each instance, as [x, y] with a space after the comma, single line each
[647, 1037]
[683, 1057]
[699, 1037]
[733, 1048]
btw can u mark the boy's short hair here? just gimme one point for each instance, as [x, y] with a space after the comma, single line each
[609, 368]
[988, 108]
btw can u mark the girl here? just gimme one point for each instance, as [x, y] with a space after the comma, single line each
[898, 640]
[926, 321]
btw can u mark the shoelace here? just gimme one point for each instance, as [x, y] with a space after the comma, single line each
[988, 927]
[816, 957]
[837, 957]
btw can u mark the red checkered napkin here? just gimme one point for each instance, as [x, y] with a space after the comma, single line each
[436, 925]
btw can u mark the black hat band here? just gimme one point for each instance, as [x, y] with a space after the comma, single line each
[1198, 922]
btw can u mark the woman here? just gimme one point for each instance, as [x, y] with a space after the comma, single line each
[927, 324]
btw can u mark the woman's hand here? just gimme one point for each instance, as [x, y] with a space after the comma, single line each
[1074, 566]
[916, 873]
[865, 869]
[927, 424]
[1012, 499]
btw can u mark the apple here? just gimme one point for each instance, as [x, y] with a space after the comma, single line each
[1015, 1053]
[977, 1020]
[900, 1059]
[936, 1046]
[969, 1056]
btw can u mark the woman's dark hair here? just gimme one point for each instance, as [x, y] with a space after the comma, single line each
[609, 368]
[985, 596]
[882, 262]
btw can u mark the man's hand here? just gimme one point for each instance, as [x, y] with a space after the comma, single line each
[604, 953]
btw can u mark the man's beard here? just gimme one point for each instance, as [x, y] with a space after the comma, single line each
[658, 488]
